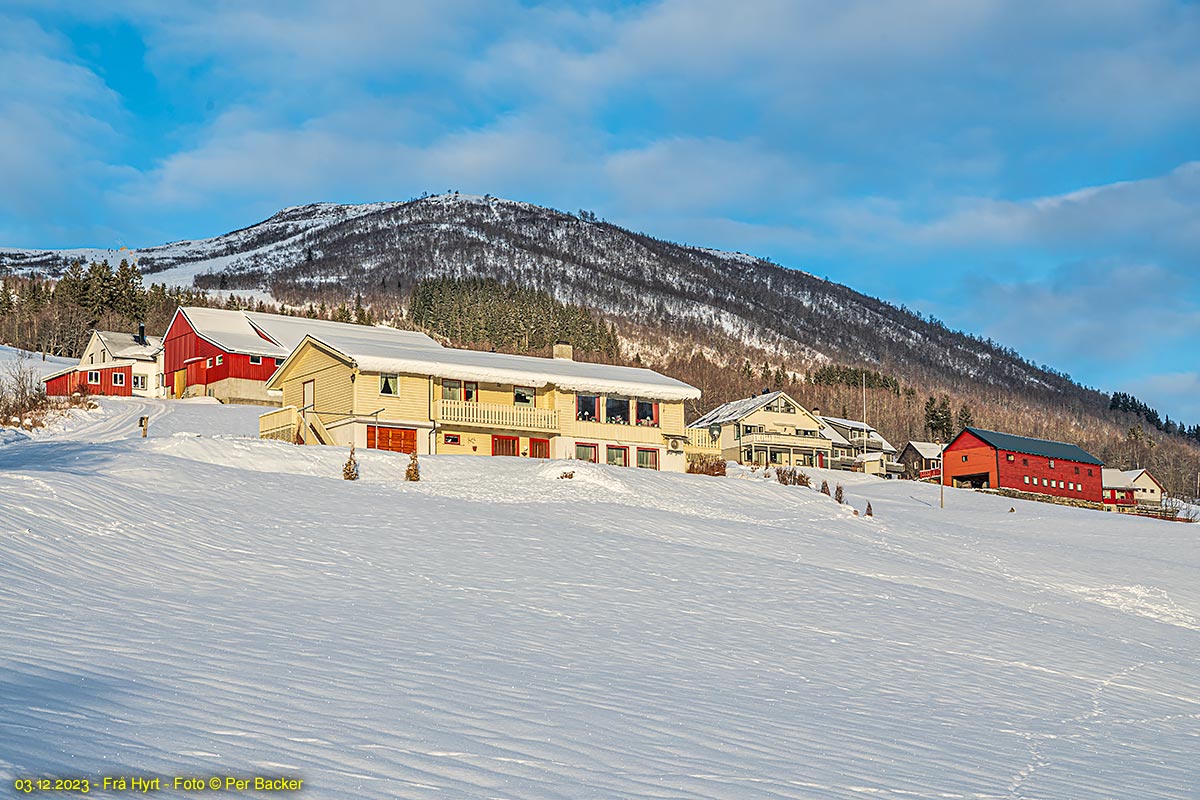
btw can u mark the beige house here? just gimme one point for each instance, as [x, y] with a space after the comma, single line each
[377, 390]
[144, 354]
[1147, 491]
[859, 447]
[768, 429]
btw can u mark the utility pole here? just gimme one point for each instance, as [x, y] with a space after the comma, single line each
[941, 474]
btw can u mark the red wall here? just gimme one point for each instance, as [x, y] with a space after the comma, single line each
[182, 344]
[982, 457]
[71, 382]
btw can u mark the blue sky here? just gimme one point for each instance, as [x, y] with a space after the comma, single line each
[1024, 171]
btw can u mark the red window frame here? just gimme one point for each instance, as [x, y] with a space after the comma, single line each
[595, 417]
[545, 443]
[652, 451]
[608, 448]
[654, 413]
[451, 438]
[516, 446]
[595, 448]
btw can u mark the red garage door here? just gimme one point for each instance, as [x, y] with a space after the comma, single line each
[398, 440]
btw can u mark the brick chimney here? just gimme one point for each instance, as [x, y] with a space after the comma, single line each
[564, 351]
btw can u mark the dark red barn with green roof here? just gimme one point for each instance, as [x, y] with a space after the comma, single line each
[979, 458]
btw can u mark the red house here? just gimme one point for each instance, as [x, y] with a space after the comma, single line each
[1119, 491]
[230, 355]
[989, 459]
[114, 379]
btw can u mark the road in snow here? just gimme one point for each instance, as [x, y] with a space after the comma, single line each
[212, 605]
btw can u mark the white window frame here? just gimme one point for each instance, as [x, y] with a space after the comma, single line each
[96, 380]
[255, 359]
[139, 382]
[220, 360]
[383, 376]
[118, 379]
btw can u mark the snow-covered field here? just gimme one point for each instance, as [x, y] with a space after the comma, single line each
[203, 603]
[10, 357]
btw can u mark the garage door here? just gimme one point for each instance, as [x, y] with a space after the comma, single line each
[398, 440]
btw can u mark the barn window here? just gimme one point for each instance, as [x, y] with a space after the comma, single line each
[220, 360]
[389, 384]
[118, 379]
[1010, 457]
[1089, 473]
[1077, 470]
[964, 459]
[1027, 479]
[1024, 462]
[94, 376]
[255, 359]
[1035, 480]
[279, 362]
[208, 363]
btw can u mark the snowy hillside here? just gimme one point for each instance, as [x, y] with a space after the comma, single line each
[199, 603]
[681, 296]
[11, 357]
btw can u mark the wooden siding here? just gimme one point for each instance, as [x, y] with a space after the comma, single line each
[411, 404]
[969, 455]
[76, 381]
[333, 391]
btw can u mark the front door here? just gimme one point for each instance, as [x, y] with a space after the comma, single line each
[180, 382]
[309, 394]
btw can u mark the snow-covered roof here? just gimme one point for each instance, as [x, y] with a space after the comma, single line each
[89, 368]
[1134, 474]
[372, 353]
[872, 435]
[876, 455]
[832, 435]
[927, 449]
[126, 345]
[1034, 447]
[258, 334]
[734, 410]
[1116, 479]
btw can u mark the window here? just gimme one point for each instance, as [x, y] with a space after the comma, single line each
[506, 445]
[1035, 480]
[647, 459]
[471, 391]
[1052, 463]
[279, 362]
[255, 359]
[208, 363]
[647, 413]
[1108, 493]
[617, 456]
[92, 359]
[94, 376]
[451, 390]
[1027, 479]
[616, 410]
[523, 395]
[539, 448]
[1024, 462]
[1077, 470]
[1010, 457]
[587, 407]
[220, 360]
[139, 381]
[964, 458]
[389, 384]
[450, 438]
[1089, 473]
[587, 452]
[118, 379]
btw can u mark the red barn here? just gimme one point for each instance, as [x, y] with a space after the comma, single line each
[114, 379]
[990, 459]
[230, 354]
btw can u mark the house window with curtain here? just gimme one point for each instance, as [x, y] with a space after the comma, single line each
[451, 390]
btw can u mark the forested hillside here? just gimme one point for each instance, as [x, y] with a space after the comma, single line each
[480, 271]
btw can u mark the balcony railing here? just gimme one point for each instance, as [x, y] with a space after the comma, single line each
[281, 424]
[701, 439]
[785, 440]
[496, 415]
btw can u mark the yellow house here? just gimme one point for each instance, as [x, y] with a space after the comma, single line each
[768, 429]
[361, 386]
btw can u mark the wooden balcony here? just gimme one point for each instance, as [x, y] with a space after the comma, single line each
[495, 415]
[700, 440]
[282, 424]
[785, 440]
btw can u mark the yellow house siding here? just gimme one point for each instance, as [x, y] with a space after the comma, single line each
[332, 389]
[412, 404]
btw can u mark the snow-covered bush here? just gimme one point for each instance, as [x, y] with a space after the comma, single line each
[350, 470]
[825, 488]
[706, 465]
[413, 472]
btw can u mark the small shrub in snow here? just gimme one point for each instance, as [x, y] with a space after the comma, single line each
[350, 470]
[413, 472]
[790, 476]
[567, 475]
[825, 488]
[869, 512]
[706, 465]
[839, 494]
